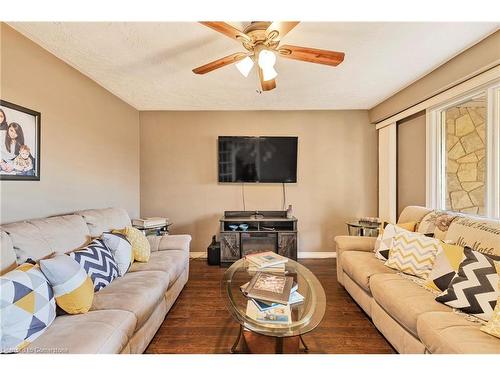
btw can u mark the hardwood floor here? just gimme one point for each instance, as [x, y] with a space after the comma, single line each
[198, 322]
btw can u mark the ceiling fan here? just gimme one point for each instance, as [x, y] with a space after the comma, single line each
[261, 40]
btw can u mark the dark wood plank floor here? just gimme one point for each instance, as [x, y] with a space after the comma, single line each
[198, 322]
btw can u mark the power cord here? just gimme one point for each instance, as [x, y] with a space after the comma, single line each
[243, 195]
[284, 196]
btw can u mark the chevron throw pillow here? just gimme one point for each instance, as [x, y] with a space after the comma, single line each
[413, 253]
[493, 326]
[97, 260]
[475, 288]
[385, 239]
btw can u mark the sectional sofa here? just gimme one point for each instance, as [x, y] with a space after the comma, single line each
[126, 314]
[404, 312]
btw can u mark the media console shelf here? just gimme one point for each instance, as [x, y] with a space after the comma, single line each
[267, 231]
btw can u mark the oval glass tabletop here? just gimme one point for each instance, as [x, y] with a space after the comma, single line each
[305, 315]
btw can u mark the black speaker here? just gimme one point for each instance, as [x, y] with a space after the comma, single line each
[213, 253]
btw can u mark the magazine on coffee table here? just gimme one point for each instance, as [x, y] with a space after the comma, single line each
[266, 259]
[270, 287]
[276, 315]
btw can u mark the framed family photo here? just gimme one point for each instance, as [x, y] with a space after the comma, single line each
[19, 142]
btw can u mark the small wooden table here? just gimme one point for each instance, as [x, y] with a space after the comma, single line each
[263, 338]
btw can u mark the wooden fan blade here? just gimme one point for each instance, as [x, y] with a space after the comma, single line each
[277, 30]
[227, 30]
[313, 55]
[266, 85]
[235, 57]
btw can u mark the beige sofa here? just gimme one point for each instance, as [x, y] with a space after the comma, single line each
[404, 312]
[126, 314]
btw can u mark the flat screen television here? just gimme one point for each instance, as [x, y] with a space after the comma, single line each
[258, 159]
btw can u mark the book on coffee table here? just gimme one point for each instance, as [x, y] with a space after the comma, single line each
[295, 298]
[276, 315]
[270, 287]
[266, 259]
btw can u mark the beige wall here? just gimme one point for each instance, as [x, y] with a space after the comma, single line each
[90, 138]
[472, 61]
[337, 170]
[411, 161]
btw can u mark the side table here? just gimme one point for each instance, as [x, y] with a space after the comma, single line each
[361, 228]
[156, 230]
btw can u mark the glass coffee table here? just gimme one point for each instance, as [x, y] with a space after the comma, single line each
[305, 315]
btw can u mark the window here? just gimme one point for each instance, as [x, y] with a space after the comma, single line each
[463, 154]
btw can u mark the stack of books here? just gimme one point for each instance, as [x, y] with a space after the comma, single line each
[267, 261]
[270, 297]
[150, 222]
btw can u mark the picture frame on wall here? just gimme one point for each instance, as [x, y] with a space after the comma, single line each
[19, 142]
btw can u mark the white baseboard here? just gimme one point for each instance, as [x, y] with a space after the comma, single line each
[301, 255]
[316, 254]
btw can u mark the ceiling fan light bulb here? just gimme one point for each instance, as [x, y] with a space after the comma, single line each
[269, 73]
[267, 59]
[245, 66]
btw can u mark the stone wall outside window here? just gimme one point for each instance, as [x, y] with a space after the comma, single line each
[466, 158]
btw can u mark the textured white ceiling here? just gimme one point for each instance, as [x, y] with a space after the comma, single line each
[149, 64]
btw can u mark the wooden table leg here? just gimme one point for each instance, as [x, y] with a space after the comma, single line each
[261, 344]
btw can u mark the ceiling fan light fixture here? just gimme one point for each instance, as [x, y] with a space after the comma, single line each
[267, 59]
[245, 66]
[269, 73]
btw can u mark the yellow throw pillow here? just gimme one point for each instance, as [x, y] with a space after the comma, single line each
[140, 244]
[445, 268]
[73, 288]
[409, 226]
[493, 325]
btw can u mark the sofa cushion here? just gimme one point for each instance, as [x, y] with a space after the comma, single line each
[480, 234]
[105, 220]
[137, 292]
[38, 238]
[104, 331]
[171, 261]
[413, 213]
[27, 241]
[7, 256]
[449, 333]
[361, 265]
[403, 299]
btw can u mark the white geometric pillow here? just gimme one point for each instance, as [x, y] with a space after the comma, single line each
[475, 288]
[384, 240]
[121, 250]
[27, 307]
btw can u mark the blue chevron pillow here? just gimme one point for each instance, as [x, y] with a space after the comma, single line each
[97, 260]
[474, 289]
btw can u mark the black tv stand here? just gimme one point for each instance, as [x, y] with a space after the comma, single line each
[267, 231]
